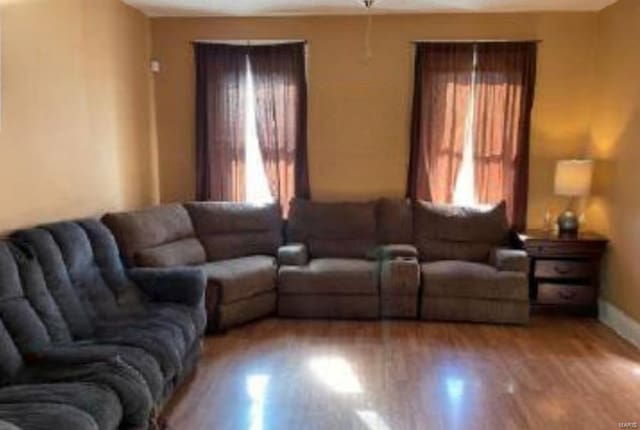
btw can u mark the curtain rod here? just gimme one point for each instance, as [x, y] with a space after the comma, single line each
[250, 42]
[475, 41]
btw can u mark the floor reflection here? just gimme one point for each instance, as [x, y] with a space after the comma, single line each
[372, 420]
[256, 389]
[336, 373]
[455, 389]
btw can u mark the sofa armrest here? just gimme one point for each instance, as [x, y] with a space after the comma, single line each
[184, 285]
[510, 260]
[294, 254]
[394, 250]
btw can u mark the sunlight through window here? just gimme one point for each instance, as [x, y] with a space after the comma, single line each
[336, 373]
[256, 389]
[256, 184]
[464, 192]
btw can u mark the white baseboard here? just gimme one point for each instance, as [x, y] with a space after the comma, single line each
[620, 322]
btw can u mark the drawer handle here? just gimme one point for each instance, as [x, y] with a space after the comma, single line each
[561, 270]
[567, 295]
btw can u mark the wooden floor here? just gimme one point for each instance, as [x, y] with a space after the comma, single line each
[296, 374]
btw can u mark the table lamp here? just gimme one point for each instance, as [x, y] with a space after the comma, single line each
[573, 180]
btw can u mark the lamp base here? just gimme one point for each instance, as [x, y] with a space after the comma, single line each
[568, 223]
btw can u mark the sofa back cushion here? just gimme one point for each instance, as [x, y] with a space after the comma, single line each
[18, 317]
[394, 221]
[333, 230]
[161, 236]
[229, 230]
[56, 277]
[446, 232]
[10, 359]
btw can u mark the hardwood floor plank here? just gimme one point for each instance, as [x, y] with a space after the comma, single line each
[405, 375]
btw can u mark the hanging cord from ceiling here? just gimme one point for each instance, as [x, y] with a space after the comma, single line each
[368, 51]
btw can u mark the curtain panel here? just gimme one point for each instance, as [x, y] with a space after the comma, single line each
[280, 85]
[442, 91]
[504, 91]
[221, 75]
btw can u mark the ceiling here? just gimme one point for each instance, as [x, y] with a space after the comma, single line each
[337, 7]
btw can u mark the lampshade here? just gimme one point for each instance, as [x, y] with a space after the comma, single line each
[573, 178]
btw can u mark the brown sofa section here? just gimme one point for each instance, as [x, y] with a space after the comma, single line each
[389, 258]
[241, 242]
[161, 236]
[339, 280]
[467, 273]
[234, 244]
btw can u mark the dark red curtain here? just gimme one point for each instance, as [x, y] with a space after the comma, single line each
[221, 73]
[442, 91]
[503, 91]
[500, 84]
[280, 84]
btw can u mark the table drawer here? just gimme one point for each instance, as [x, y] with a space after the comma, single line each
[564, 269]
[564, 294]
[564, 249]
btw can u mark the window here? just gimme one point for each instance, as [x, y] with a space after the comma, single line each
[251, 124]
[470, 124]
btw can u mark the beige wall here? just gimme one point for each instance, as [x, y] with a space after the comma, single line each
[615, 209]
[75, 137]
[359, 112]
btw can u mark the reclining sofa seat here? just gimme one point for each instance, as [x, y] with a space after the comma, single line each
[241, 243]
[327, 269]
[73, 390]
[468, 271]
[233, 244]
[141, 337]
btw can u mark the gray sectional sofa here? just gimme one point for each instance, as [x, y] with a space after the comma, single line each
[86, 344]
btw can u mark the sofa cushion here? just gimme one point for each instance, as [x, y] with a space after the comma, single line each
[43, 416]
[179, 253]
[333, 230]
[464, 279]
[114, 373]
[70, 302]
[19, 319]
[84, 352]
[334, 276]
[156, 236]
[241, 278]
[445, 232]
[229, 230]
[394, 221]
[10, 358]
[101, 403]
[36, 292]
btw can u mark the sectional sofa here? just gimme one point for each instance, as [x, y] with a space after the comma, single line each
[100, 321]
[365, 260]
